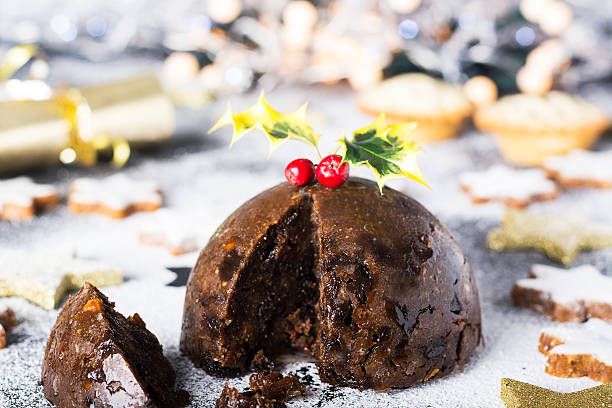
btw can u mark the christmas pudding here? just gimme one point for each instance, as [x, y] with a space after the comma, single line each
[95, 357]
[360, 276]
[373, 286]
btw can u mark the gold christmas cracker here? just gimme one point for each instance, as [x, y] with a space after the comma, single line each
[517, 394]
[15, 58]
[35, 133]
[136, 110]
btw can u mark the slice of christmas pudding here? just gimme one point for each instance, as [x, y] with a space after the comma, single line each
[95, 357]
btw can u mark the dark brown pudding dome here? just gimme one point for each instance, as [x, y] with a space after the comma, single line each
[373, 286]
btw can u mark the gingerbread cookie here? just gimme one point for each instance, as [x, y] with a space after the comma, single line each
[560, 236]
[566, 295]
[44, 277]
[581, 168]
[515, 188]
[583, 350]
[21, 198]
[167, 230]
[7, 322]
[116, 196]
[517, 394]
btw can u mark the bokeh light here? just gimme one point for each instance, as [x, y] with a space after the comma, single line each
[408, 29]
[525, 36]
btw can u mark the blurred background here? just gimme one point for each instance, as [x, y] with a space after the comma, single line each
[206, 50]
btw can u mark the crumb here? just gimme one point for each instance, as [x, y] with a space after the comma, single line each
[267, 389]
[8, 319]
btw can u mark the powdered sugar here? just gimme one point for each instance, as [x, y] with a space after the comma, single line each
[167, 229]
[501, 182]
[116, 192]
[583, 283]
[593, 337]
[582, 165]
[22, 191]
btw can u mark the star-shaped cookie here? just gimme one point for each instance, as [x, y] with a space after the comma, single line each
[44, 277]
[21, 198]
[560, 236]
[583, 350]
[581, 168]
[517, 394]
[572, 295]
[165, 228]
[116, 196]
[513, 187]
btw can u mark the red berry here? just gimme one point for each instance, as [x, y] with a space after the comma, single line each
[300, 172]
[331, 173]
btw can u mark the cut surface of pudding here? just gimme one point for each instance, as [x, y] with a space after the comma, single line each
[373, 286]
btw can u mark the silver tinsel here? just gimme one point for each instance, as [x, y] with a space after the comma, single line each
[436, 36]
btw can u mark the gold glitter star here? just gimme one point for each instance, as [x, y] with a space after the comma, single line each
[560, 236]
[44, 277]
[516, 394]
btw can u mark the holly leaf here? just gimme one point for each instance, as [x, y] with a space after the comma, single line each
[389, 150]
[278, 127]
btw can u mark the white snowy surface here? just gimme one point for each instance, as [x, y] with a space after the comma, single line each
[204, 181]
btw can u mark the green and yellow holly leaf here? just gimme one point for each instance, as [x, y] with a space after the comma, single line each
[275, 125]
[389, 150]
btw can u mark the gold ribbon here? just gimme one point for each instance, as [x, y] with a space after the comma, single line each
[15, 58]
[84, 146]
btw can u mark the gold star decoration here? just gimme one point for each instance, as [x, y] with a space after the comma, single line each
[517, 394]
[559, 236]
[44, 277]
